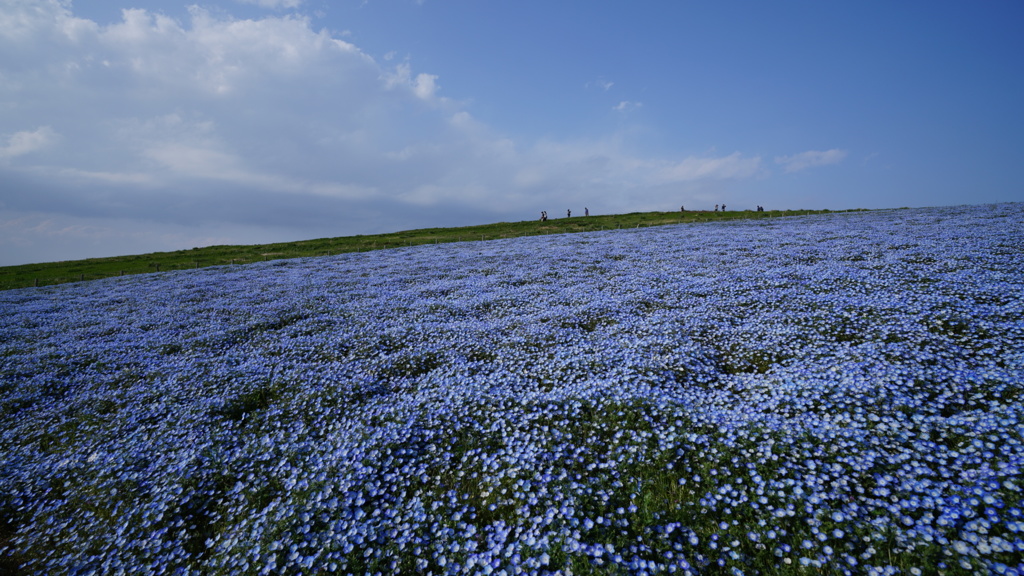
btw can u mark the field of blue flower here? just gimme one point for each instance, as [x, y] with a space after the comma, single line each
[834, 394]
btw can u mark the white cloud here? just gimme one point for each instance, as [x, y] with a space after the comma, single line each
[110, 177]
[810, 159]
[400, 76]
[600, 83]
[196, 162]
[25, 142]
[215, 55]
[733, 166]
[221, 127]
[425, 86]
[627, 105]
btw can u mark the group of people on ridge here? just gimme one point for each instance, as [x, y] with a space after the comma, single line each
[683, 208]
[568, 214]
[586, 211]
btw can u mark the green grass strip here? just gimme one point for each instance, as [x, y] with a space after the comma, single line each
[51, 273]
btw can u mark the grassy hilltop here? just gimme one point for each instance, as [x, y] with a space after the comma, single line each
[50, 273]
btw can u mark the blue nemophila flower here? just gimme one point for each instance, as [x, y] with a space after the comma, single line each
[839, 391]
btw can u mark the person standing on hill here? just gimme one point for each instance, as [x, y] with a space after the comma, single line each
[723, 207]
[568, 213]
[586, 211]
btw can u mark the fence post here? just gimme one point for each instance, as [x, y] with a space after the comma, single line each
[36, 284]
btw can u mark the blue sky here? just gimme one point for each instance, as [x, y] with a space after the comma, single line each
[130, 127]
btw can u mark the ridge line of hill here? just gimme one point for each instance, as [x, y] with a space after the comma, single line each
[51, 273]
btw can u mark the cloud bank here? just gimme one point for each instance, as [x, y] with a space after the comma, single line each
[810, 159]
[24, 142]
[152, 134]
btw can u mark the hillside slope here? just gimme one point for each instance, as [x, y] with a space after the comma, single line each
[835, 392]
